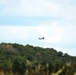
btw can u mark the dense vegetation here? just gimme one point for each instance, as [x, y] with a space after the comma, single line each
[17, 59]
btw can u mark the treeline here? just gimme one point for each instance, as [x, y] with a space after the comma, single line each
[17, 59]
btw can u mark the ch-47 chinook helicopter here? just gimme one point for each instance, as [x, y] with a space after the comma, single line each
[42, 38]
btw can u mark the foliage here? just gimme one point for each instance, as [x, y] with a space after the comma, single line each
[17, 59]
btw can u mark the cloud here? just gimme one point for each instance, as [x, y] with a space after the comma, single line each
[62, 9]
[53, 32]
[54, 19]
[68, 12]
[13, 34]
[30, 8]
[56, 35]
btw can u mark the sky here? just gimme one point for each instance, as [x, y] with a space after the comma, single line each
[24, 21]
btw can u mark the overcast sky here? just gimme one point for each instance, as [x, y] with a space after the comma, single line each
[23, 21]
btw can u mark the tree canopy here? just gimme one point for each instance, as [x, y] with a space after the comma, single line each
[20, 58]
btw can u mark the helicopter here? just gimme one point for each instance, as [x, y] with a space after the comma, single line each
[42, 38]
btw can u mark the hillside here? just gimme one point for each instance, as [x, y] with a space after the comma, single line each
[17, 59]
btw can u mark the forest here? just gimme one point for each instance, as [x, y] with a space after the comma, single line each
[18, 59]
